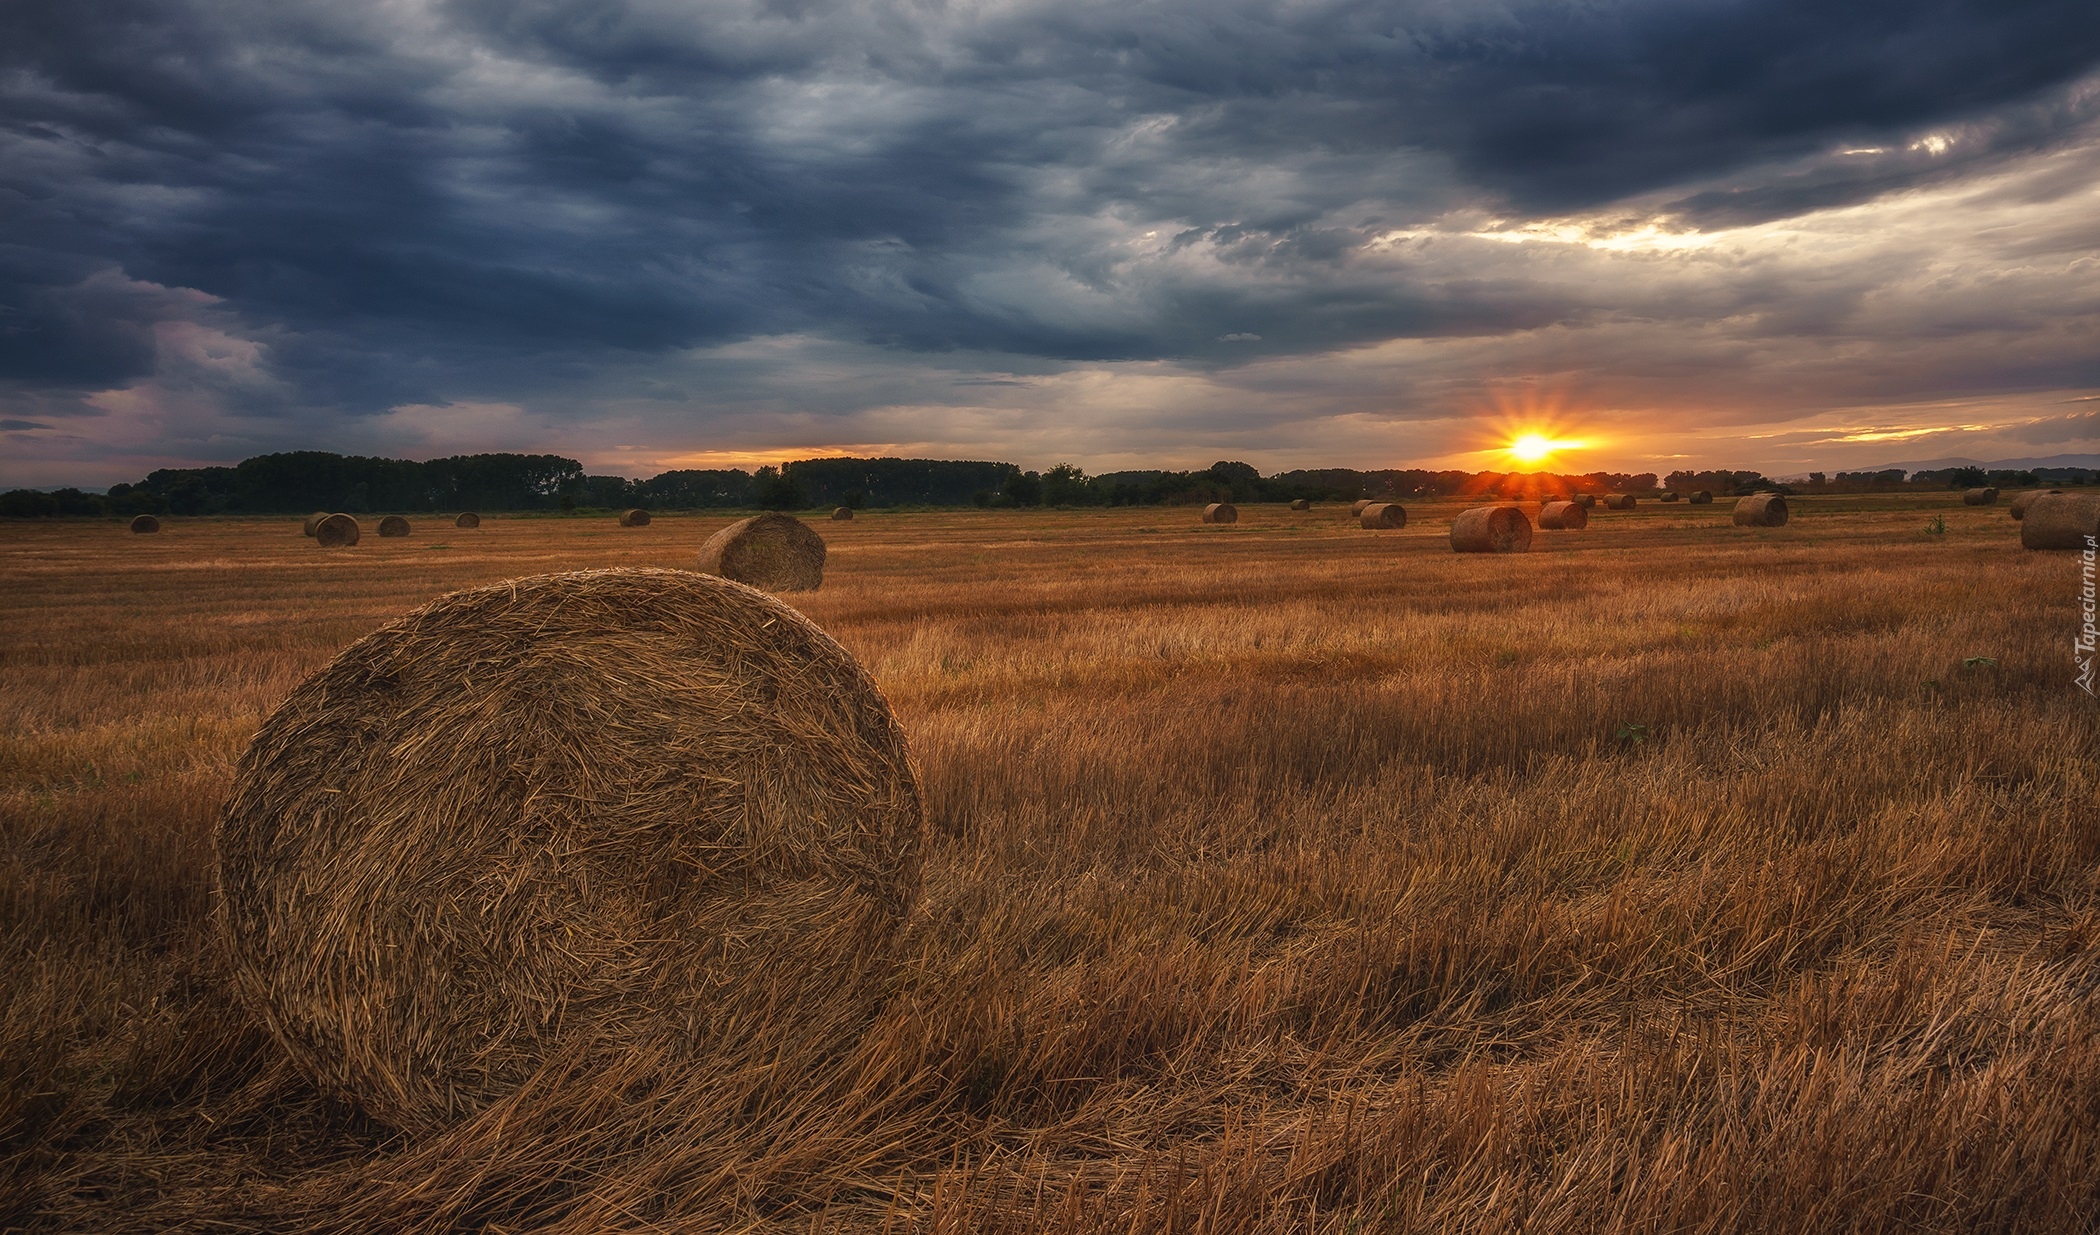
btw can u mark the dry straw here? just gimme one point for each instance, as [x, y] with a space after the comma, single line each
[1382, 515]
[1587, 501]
[634, 518]
[1491, 529]
[2019, 504]
[2060, 520]
[1979, 497]
[1302, 504]
[1668, 495]
[1761, 510]
[1358, 508]
[392, 526]
[313, 521]
[1563, 517]
[469, 519]
[1221, 512]
[145, 523]
[571, 818]
[778, 553]
[1619, 501]
[336, 532]
[842, 514]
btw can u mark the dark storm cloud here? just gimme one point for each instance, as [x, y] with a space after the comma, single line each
[411, 203]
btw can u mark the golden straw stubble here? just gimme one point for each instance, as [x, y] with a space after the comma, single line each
[576, 816]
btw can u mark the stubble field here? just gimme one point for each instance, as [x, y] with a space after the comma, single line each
[1281, 876]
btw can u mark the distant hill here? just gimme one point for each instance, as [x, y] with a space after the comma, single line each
[2024, 465]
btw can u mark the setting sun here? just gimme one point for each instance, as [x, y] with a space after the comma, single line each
[1536, 448]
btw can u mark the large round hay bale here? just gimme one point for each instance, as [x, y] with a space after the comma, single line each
[1491, 529]
[561, 819]
[1979, 497]
[1302, 504]
[778, 553]
[1563, 517]
[1761, 510]
[2019, 504]
[1221, 512]
[1703, 497]
[144, 523]
[2060, 521]
[1588, 501]
[1668, 495]
[1357, 509]
[393, 525]
[1382, 515]
[467, 519]
[1619, 501]
[313, 521]
[842, 514]
[634, 518]
[336, 532]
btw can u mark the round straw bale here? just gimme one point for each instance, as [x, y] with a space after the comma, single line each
[1491, 529]
[1979, 497]
[393, 525]
[1668, 495]
[1619, 501]
[1588, 501]
[1761, 510]
[2019, 504]
[1563, 517]
[2060, 520]
[1221, 512]
[336, 532]
[1358, 508]
[1382, 515]
[468, 519]
[778, 553]
[634, 518]
[1703, 497]
[145, 523]
[1302, 504]
[842, 514]
[314, 520]
[569, 817]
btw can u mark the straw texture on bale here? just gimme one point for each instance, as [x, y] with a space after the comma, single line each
[634, 518]
[1619, 501]
[1302, 504]
[2060, 520]
[468, 519]
[1221, 512]
[145, 523]
[1702, 498]
[1668, 495]
[1586, 500]
[1979, 497]
[336, 532]
[843, 514]
[567, 819]
[393, 525]
[1761, 510]
[2019, 504]
[1563, 517]
[1382, 515]
[1491, 529]
[1358, 508]
[778, 553]
[313, 521]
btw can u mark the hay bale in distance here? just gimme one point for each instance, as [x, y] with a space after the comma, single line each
[145, 523]
[772, 552]
[1761, 510]
[634, 518]
[467, 519]
[607, 813]
[2019, 504]
[1358, 508]
[336, 532]
[1979, 497]
[1563, 517]
[1668, 495]
[1588, 501]
[1382, 515]
[1221, 512]
[842, 514]
[314, 521]
[1703, 497]
[392, 526]
[2060, 520]
[1491, 529]
[1619, 501]
[1302, 504]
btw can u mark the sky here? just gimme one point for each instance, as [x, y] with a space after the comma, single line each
[648, 234]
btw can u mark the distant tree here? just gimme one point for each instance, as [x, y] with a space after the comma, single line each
[1964, 477]
[773, 489]
[1066, 485]
[1023, 489]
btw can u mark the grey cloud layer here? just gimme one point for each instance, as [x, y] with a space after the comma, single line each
[480, 199]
